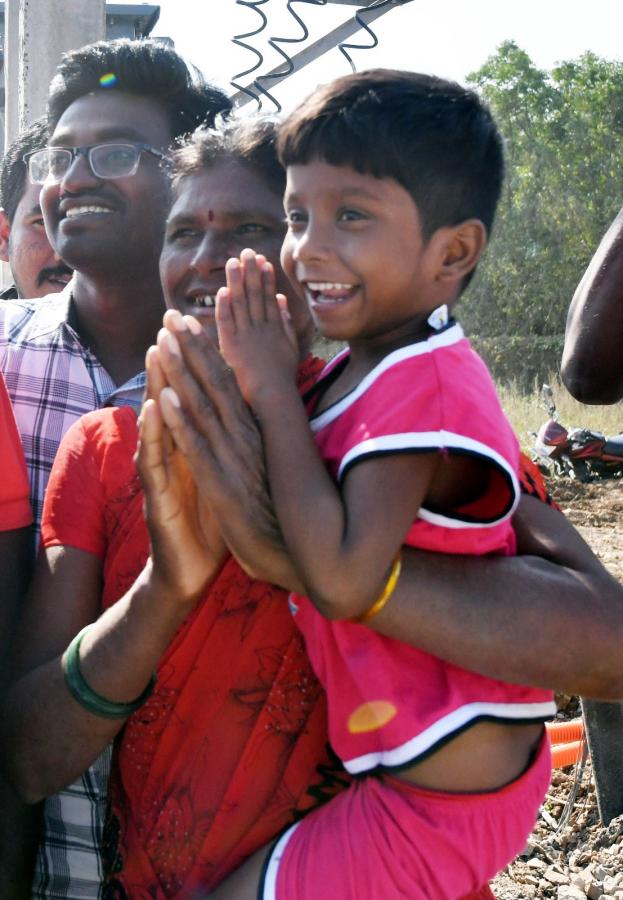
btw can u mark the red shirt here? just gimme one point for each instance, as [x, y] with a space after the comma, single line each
[15, 509]
[231, 746]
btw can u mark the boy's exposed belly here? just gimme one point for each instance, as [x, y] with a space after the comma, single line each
[485, 757]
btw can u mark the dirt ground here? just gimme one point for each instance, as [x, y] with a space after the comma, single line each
[570, 855]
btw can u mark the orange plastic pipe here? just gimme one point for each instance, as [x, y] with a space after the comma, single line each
[564, 732]
[566, 754]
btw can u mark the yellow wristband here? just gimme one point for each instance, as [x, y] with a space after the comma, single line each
[385, 594]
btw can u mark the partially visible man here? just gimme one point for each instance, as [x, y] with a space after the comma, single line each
[15, 570]
[592, 364]
[24, 244]
[114, 109]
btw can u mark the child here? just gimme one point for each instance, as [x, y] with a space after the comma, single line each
[393, 179]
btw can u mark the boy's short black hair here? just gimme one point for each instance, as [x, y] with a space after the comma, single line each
[13, 171]
[434, 137]
[251, 141]
[147, 68]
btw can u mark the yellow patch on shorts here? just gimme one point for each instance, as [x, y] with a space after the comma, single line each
[371, 716]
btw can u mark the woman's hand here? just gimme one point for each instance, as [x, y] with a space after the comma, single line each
[187, 548]
[216, 432]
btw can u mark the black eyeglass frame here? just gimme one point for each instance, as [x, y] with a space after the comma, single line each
[88, 151]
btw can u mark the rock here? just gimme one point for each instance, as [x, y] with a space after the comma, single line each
[570, 892]
[580, 881]
[555, 876]
[536, 863]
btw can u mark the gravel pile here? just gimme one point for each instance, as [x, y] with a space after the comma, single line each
[570, 854]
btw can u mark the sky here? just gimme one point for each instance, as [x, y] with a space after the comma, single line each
[449, 39]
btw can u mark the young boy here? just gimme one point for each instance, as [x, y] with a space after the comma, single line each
[393, 179]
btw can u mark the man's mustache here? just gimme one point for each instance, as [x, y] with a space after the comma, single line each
[53, 272]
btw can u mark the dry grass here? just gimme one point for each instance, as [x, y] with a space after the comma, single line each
[527, 414]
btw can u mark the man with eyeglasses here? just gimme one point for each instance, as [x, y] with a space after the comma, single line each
[24, 244]
[113, 111]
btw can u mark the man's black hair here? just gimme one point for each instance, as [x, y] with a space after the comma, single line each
[434, 137]
[13, 171]
[147, 68]
[250, 141]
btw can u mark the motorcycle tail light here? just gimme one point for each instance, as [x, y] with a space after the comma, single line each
[552, 433]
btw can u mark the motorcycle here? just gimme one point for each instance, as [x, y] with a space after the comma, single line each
[579, 453]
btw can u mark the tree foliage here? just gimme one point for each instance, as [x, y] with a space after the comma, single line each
[564, 151]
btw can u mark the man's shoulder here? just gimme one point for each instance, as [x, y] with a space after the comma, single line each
[22, 320]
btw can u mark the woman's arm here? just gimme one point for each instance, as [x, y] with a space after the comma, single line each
[50, 738]
[592, 365]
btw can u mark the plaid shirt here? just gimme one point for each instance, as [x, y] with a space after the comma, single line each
[52, 380]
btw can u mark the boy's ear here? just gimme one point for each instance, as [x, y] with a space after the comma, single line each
[460, 248]
[5, 230]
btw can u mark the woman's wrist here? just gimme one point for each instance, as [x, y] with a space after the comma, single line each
[167, 601]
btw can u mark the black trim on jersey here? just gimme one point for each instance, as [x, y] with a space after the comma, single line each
[485, 717]
[317, 390]
[322, 385]
[333, 776]
[448, 514]
[266, 863]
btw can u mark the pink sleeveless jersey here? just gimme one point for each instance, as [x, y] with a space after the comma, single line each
[390, 704]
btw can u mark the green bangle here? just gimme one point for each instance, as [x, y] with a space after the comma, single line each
[86, 696]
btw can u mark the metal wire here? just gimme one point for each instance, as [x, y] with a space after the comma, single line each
[274, 42]
[345, 47]
[239, 40]
[258, 90]
[571, 798]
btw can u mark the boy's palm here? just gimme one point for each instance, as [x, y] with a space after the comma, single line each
[255, 333]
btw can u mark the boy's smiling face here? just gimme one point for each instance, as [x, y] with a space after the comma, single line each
[355, 248]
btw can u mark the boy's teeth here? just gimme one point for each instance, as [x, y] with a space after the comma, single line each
[205, 300]
[328, 286]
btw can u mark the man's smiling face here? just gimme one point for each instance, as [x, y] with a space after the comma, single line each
[96, 223]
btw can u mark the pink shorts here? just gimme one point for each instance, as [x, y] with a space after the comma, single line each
[387, 838]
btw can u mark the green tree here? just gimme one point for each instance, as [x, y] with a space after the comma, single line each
[563, 131]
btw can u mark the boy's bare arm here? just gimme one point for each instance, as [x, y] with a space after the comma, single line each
[592, 368]
[342, 541]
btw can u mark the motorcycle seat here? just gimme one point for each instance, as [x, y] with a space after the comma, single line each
[614, 445]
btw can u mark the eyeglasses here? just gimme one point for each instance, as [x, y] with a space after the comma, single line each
[105, 160]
